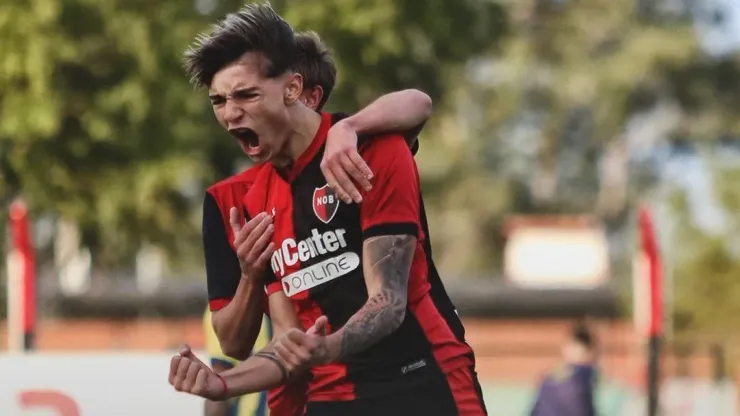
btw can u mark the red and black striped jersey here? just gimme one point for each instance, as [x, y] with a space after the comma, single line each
[222, 265]
[318, 265]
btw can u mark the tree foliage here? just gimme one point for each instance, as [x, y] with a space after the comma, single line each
[99, 125]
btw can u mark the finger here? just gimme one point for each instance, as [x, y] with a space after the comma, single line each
[201, 382]
[244, 232]
[286, 356]
[261, 243]
[351, 166]
[190, 376]
[319, 327]
[234, 220]
[182, 369]
[329, 176]
[345, 184]
[264, 258]
[250, 240]
[361, 165]
[180, 373]
[186, 352]
[347, 181]
[325, 164]
[339, 177]
[174, 364]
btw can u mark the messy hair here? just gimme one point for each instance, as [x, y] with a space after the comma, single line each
[254, 28]
[315, 64]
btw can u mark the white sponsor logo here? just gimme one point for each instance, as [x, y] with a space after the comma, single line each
[320, 273]
[413, 366]
[291, 252]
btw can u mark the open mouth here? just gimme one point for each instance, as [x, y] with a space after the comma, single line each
[248, 139]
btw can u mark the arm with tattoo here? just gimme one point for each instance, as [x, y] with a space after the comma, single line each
[387, 263]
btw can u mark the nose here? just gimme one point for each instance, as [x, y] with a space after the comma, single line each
[232, 113]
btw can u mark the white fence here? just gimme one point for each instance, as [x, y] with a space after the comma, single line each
[128, 384]
[91, 384]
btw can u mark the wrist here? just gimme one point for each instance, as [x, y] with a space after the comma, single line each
[224, 395]
[248, 280]
[333, 344]
[351, 123]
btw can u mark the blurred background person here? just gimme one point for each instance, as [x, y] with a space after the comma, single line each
[569, 390]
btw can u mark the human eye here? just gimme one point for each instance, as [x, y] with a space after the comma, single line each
[245, 95]
[216, 100]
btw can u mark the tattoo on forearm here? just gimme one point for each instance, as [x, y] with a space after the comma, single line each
[390, 258]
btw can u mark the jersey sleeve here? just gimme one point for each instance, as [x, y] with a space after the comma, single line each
[392, 205]
[222, 265]
[272, 284]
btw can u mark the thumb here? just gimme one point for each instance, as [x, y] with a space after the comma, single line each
[186, 352]
[319, 327]
[234, 220]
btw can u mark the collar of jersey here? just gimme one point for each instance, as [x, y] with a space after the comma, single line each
[307, 156]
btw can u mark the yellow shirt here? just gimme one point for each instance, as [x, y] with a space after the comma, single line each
[253, 404]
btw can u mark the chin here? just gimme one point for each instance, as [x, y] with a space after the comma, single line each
[257, 159]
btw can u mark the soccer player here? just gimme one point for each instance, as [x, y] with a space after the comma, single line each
[238, 323]
[381, 336]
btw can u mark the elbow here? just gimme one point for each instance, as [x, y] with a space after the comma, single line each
[235, 351]
[422, 101]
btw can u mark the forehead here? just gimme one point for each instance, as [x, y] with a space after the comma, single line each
[246, 72]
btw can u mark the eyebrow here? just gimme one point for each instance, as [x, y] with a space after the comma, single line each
[248, 90]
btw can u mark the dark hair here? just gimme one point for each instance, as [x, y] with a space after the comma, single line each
[254, 28]
[315, 64]
[582, 335]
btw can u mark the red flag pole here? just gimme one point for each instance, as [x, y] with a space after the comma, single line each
[20, 229]
[651, 249]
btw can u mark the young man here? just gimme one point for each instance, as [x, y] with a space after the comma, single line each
[395, 345]
[238, 323]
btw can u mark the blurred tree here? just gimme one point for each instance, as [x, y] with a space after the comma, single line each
[99, 125]
[706, 265]
[570, 87]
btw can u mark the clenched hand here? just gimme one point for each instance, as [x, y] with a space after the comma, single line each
[300, 350]
[190, 375]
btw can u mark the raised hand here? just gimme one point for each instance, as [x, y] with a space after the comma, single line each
[300, 350]
[342, 164]
[190, 375]
[253, 243]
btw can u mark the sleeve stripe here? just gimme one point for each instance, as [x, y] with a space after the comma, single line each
[221, 362]
[218, 303]
[403, 228]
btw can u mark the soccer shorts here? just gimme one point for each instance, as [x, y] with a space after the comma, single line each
[456, 394]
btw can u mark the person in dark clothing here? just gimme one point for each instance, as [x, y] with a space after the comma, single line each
[569, 391]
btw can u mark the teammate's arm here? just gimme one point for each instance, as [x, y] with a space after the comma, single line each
[405, 111]
[236, 300]
[390, 223]
[394, 112]
[261, 372]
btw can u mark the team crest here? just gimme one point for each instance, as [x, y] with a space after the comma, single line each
[325, 203]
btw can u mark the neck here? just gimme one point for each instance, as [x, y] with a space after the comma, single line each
[304, 122]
